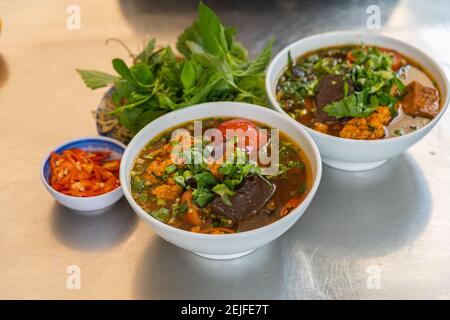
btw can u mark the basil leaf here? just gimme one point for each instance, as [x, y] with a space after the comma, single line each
[212, 31]
[122, 69]
[188, 75]
[148, 50]
[259, 64]
[142, 73]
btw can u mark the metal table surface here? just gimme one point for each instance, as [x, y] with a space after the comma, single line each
[377, 234]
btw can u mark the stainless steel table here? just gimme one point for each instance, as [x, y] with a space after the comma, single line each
[378, 234]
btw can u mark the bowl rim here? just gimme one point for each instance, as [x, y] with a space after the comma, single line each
[62, 145]
[129, 153]
[432, 61]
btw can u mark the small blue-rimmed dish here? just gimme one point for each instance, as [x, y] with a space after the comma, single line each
[89, 205]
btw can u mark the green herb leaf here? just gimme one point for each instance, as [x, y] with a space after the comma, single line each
[180, 180]
[162, 214]
[122, 69]
[202, 196]
[354, 105]
[148, 50]
[188, 39]
[180, 209]
[259, 64]
[228, 169]
[211, 30]
[137, 184]
[96, 79]
[223, 191]
[290, 61]
[171, 168]
[302, 188]
[142, 73]
[188, 75]
[205, 179]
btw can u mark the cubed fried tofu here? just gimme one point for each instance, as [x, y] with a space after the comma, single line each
[419, 100]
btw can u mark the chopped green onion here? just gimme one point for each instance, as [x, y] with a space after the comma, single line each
[171, 168]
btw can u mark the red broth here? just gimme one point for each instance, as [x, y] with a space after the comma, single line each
[192, 197]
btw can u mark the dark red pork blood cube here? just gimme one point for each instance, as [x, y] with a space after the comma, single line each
[331, 88]
[251, 197]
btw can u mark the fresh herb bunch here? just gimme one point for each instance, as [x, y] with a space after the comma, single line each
[213, 67]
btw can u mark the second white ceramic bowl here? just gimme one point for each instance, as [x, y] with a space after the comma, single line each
[225, 246]
[358, 155]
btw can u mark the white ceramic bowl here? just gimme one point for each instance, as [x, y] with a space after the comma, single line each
[86, 205]
[357, 155]
[225, 246]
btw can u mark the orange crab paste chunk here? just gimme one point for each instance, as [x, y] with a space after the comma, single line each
[155, 172]
[167, 191]
[158, 165]
[369, 128]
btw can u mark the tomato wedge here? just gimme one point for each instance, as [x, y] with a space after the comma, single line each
[397, 60]
[350, 57]
[245, 130]
[291, 204]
